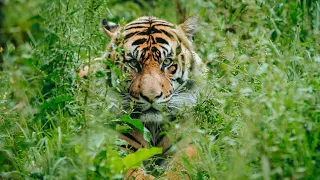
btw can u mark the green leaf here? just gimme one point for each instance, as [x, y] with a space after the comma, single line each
[146, 135]
[135, 122]
[52, 104]
[134, 160]
[113, 161]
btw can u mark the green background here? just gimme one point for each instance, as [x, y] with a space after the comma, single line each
[257, 118]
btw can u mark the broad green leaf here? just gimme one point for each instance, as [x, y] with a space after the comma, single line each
[135, 122]
[134, 160]
[113, 161]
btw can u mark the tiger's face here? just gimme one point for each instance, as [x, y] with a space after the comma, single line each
[157, 58]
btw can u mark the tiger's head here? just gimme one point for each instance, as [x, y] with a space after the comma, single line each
[160, 64]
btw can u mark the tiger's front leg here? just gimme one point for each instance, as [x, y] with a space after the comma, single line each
[175, 169]
[191, 153]
[138, 174]
[172, 174]
[135, 141]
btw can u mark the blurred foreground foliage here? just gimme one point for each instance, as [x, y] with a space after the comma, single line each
[258, 117]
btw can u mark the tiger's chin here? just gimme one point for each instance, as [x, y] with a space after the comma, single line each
[152, 115]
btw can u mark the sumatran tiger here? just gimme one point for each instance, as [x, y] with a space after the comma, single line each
[162, 70]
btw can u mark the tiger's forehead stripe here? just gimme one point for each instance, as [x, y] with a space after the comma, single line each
[147, 26]
[149, 36]
[148, 20]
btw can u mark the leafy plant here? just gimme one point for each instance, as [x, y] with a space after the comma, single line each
[257, 117]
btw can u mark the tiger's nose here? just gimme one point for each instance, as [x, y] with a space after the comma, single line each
[151, 96]
[151, 86]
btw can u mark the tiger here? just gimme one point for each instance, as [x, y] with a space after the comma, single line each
[163, 75]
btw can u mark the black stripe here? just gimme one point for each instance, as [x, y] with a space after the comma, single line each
[129, 147]
[130, 35]
[167, 33]
[183, 62]
[166, 25]
[149, 31]
[131, 137]
[153, 41]
[166, 150]
[159, 139]
[145, 49]
[142, 56]
[164, 48]
[156, 56]
[161, 40]
[138, 23]
[157, 32]
[180, 80]
[148, 57]
[139, 41]
[135, 50]
[154, 49]
[135, 27]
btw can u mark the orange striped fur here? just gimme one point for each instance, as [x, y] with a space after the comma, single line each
[161, 65]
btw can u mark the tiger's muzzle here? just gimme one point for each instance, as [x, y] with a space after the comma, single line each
[150, 90]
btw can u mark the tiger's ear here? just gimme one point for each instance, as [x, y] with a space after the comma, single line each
[190, 26]
[110, 28]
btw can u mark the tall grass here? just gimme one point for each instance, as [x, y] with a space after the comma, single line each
[257, 118]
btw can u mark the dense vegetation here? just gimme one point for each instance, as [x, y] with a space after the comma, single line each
[258, 117]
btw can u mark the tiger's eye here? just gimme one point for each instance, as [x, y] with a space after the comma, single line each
[133, 63]
[167, 62]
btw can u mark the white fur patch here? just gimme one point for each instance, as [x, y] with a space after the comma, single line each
[151, 117]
